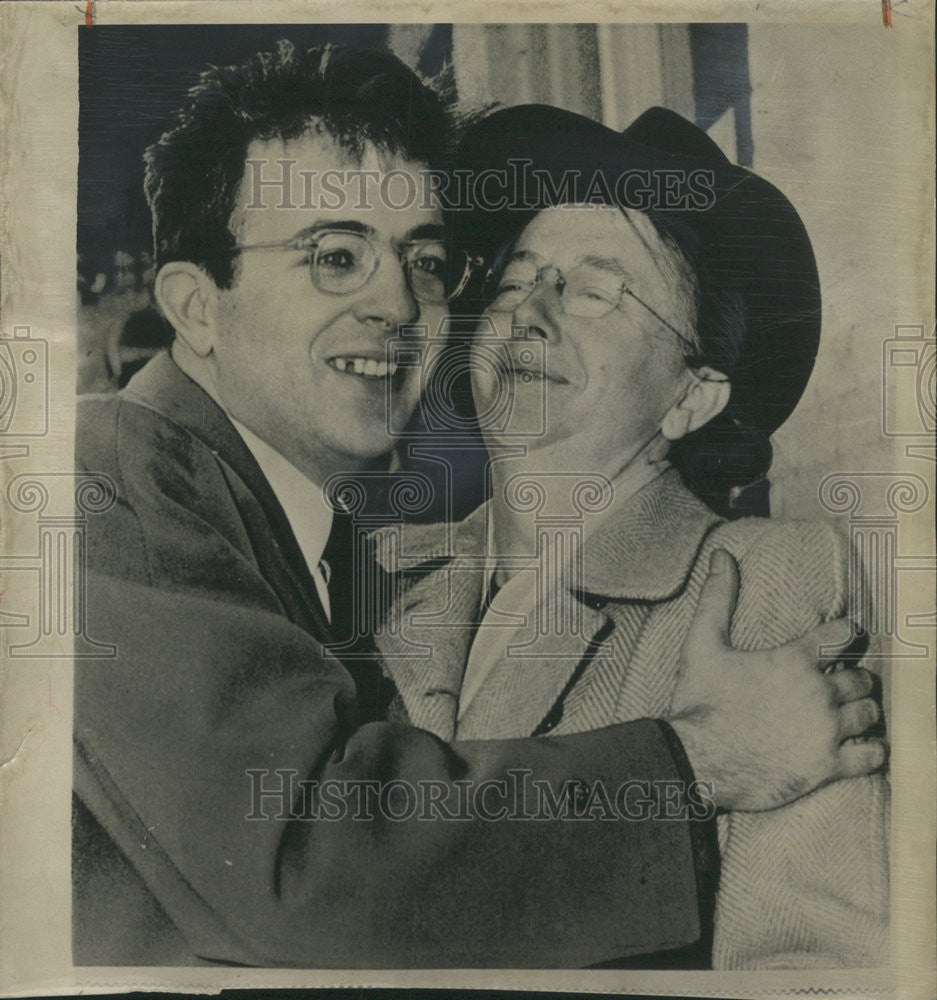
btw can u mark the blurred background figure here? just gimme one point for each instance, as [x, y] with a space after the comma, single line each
[119, 326]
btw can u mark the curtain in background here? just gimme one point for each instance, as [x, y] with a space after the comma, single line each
[609, 72]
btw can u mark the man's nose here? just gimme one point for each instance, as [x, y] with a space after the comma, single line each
[540, 312]
[388, 300]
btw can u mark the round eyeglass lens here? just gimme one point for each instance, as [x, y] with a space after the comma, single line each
[342, 263]
[591, 292]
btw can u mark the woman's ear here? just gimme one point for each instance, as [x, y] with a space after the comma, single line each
[187, 297]
[705, 398]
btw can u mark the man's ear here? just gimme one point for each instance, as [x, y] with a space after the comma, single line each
[705, 398]
[188, 297]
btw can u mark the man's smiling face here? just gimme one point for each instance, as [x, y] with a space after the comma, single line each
[303, 368]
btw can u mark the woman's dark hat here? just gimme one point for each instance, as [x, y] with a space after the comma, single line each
[519, 161]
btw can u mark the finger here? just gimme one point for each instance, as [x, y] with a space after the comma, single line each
[859, 645]
[851, 684]
[855, 717]
[717, 600]
[835, 641]
[858, 757]
[855, 648]
[881, 727]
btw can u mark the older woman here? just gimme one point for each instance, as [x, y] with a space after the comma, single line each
[651, 316]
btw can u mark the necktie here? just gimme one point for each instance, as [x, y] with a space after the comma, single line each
[356, 591]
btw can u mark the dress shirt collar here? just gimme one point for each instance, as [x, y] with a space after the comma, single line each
[306, 509]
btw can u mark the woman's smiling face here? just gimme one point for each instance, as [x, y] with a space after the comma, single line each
[608, 381]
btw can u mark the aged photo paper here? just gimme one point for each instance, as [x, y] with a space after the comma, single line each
[526, 311]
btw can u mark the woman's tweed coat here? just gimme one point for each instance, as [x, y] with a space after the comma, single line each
[801, 886]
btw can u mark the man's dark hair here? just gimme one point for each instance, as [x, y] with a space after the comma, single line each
[356, 96]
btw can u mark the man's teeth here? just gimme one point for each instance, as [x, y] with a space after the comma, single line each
[364, 366]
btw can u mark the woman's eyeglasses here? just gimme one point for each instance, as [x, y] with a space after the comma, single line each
[587, 290]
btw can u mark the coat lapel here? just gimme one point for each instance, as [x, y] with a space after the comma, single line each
[644, 549]
[163, 387]
[426, 637]
[641, 553]
[526, 683]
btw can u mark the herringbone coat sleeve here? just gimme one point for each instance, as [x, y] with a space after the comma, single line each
[805, 885]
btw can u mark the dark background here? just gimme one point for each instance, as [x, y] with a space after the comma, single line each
[133, 78]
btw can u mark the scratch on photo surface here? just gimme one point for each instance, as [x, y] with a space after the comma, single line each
[897, 7]
[52, 705]
[31, 728]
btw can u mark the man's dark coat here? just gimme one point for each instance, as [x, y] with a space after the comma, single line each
[197, 580]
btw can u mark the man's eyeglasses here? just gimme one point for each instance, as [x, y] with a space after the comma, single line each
[587, 290]
[343, 261]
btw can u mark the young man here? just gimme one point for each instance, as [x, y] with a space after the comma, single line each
[204, 751]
